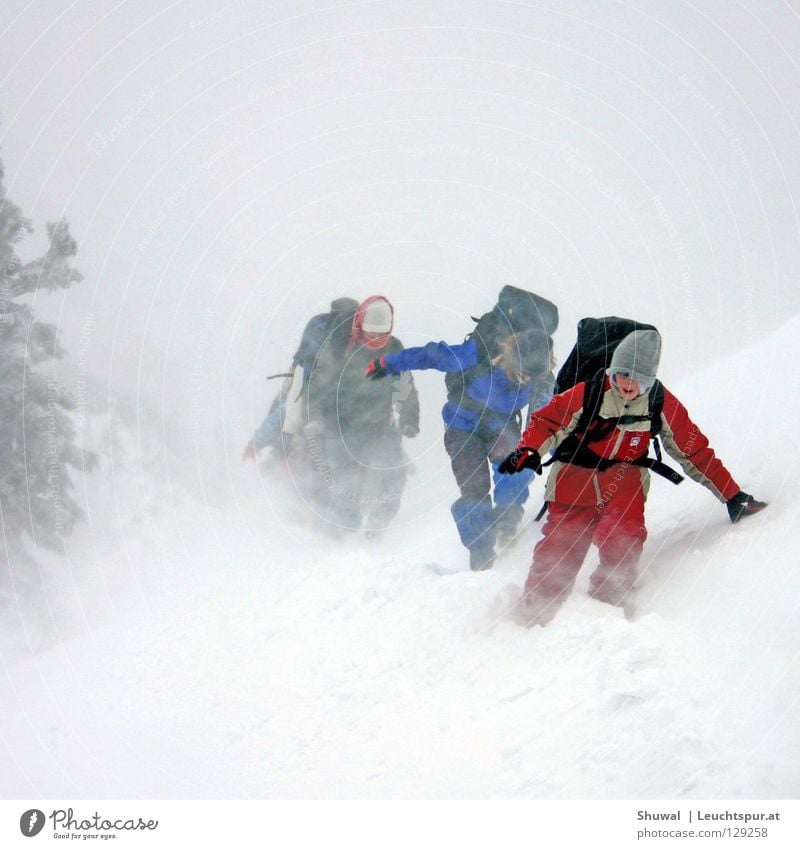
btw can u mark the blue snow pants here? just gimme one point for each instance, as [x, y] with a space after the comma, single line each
[474, 457]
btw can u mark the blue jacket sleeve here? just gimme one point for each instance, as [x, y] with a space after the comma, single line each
[435, 355]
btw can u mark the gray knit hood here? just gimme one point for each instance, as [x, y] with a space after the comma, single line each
[637, 357]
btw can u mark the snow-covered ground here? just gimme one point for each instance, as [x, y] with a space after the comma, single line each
[221, 651]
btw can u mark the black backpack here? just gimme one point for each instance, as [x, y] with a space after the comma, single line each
[328, 329]
[587, 362]
[516, 311]
[597, 340]
[332, 330]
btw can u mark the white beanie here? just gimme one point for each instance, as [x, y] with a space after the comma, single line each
[377, 317]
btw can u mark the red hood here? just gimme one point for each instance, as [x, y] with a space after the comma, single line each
[357, 336]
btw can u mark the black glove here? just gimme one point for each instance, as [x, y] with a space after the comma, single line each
[742, 505]
[519, 459]
[409, 431]
[377, 369]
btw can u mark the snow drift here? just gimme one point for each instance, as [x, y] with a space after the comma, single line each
[216, 649]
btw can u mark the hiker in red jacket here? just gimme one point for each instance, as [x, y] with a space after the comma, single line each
[597, 493]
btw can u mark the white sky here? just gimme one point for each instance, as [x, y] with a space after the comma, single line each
[227, 168]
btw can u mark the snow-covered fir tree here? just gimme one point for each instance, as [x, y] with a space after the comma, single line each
[38, 447]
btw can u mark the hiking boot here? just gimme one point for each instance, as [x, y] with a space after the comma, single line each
[481, 559]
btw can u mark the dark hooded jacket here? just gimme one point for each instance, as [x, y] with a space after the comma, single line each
[340, 398]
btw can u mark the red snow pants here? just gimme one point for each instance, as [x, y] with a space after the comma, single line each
[617, 528]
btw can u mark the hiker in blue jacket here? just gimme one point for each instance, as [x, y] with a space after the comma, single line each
[491, 378]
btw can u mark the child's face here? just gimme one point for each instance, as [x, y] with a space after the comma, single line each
[626, 387]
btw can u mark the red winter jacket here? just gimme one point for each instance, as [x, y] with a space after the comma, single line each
[682, 439]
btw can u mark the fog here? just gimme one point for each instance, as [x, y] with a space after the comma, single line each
[229, 168]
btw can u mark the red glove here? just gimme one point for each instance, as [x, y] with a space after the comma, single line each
[377, 369]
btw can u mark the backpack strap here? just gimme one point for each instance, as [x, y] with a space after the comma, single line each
[592, 401]
[592, 427]
[655, 404]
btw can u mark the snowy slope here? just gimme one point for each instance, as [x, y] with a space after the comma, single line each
[223, 653]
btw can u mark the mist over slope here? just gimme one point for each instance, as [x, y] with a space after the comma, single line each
[221, 651]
